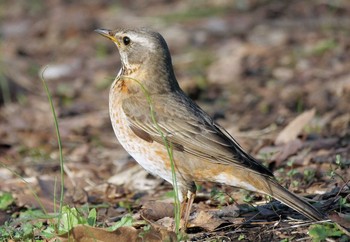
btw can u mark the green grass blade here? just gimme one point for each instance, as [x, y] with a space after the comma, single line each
[28, 185]
[177, 205]
[58, 141]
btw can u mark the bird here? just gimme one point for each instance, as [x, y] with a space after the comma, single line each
[150, 113]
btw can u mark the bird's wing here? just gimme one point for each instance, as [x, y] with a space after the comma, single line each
[187, 128]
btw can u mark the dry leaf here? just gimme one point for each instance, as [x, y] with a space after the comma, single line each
[83, 233]
[292, 130]
[157, 235]
[153, 210]
[290, 148]
[30, 201]
[206, 220]
[135, 178]
[342, 219]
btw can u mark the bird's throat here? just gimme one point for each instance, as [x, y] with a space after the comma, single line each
[128, 70]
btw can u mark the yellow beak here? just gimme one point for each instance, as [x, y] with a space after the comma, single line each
[108, 34]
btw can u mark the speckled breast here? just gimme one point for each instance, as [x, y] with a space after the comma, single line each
[151, 156]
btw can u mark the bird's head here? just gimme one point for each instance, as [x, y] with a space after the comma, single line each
[140, 48]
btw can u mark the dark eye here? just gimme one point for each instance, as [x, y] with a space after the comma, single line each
[126, 40]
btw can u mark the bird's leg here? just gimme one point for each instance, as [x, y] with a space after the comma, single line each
[190, 197]
[186, 206]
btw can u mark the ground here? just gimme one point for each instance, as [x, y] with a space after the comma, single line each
[275, 74]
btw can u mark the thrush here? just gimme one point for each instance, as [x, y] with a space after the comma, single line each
[150, 113]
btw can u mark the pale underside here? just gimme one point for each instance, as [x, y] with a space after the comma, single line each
[202, 150]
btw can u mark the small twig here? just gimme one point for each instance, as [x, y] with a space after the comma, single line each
[300, 225]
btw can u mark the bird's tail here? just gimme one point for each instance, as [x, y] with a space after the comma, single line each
[293, 201]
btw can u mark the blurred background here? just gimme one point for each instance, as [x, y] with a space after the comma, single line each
[253, 65]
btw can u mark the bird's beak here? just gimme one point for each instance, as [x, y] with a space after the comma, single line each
[108, 34]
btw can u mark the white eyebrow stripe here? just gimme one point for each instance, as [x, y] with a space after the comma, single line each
[145, 41]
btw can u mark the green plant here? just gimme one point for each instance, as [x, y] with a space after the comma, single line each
[323, 46]
[218, 196]
[30, 224]
[279, 178]
[6, 199]
[72, 217]
[241, 237]
[146, 230]
[292, 172]
[309, 175]
[28, 185]
[127, 220]
[8, 232]
[333, 170]
[248, 197]
[284, 240]
[24, 227]
[343, 203]
[58, 141]
[125, 204]
[320, 232]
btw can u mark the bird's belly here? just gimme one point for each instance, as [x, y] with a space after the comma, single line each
[151, 156]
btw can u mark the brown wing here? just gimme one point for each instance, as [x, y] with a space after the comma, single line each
[188, 128]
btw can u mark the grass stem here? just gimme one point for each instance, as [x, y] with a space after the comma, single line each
[58, 141]
[168, 146]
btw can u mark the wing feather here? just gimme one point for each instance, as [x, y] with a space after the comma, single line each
[188, 128]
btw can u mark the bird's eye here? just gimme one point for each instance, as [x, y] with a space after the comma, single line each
[126, 40]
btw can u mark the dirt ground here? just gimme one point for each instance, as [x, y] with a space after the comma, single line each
[275, 74]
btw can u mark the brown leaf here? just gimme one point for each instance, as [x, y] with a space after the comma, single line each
[340, 124]
[48, 185]
[135, 178]
[29, 200]
[206, 220]
[290, 148]
[84, 233]
[153, 210]
[44, 194]
[229, 54]
[292, 130]
[165, 222]
[156, 235]
[228, 212]
[342, 219]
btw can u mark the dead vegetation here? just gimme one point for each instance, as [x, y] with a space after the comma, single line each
[274, 74]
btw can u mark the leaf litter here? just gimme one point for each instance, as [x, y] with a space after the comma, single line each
[286, 100]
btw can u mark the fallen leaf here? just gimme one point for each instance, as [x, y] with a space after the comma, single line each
[290, 148]
[135, 178]
[342, 219]
[30, 201]
[228, 212]
[230, 54]
[157, 235]
[206, 220]
[153, 210]
[165, 222]
[292, 130]
[84, 233]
